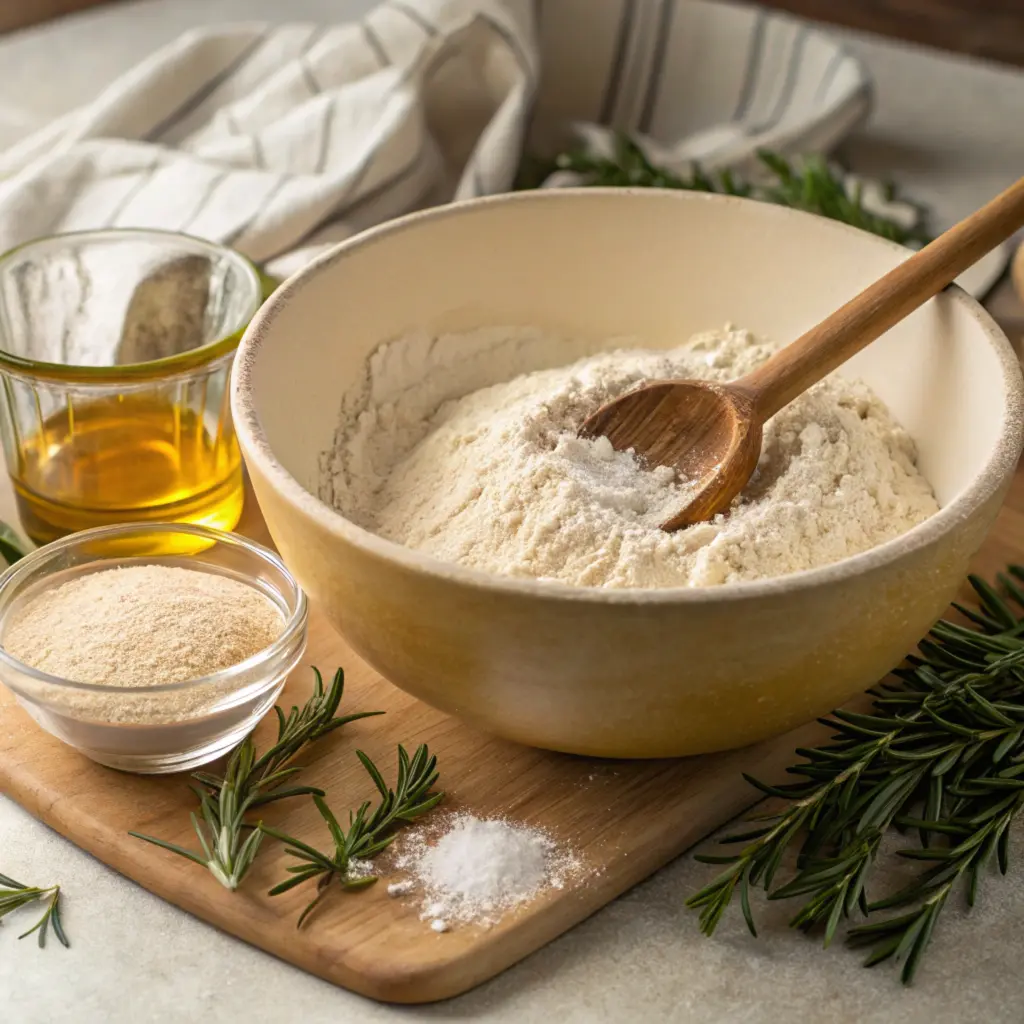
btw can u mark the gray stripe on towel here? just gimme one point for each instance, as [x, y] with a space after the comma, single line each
[206, 90]
[755, 54]
[208, 192]
[374, 42]
[415, 16]
[264, 204]
[653, 90]
[145, 177]
[796, 51]
[614, 82]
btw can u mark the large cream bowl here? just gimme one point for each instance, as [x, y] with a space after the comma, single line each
[622, 673]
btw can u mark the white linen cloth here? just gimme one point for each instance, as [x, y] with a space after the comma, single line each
[282, 140]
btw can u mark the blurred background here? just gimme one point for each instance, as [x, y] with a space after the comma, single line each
[945, 77]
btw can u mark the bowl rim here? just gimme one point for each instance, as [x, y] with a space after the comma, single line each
[133, 373]
[294, 627]
[256, 448]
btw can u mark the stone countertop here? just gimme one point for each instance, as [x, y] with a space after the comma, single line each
[945, 121]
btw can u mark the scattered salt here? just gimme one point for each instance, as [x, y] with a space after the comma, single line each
[360, 869]
[478, 868]
[399, 888]
[438, 925]
[431, 910]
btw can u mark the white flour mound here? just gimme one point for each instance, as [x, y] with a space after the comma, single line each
[464, 447]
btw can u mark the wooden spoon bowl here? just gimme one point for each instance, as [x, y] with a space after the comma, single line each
[690, 425]
[710, 433]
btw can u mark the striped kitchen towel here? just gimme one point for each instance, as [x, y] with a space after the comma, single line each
[282, 140]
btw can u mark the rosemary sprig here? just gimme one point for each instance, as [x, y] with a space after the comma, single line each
[228, 842]
[11, 549]
[906, 936]
[810, 185]
[368, 834]
[941, 754]
[14, 895]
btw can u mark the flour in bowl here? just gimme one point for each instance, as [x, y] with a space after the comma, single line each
[464, 447]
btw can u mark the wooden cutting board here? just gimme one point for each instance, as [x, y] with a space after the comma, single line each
[624, 820]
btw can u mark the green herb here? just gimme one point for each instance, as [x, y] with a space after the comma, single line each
[941, 755]
[810, 185]
[368, 834]
[11, 549]
[14, 895]
[228, 842]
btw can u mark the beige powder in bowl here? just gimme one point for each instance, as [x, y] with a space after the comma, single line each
[142, 625]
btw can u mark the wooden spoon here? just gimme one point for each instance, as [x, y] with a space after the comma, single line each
[711, 432]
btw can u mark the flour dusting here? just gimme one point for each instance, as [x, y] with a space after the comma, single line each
[464, 447]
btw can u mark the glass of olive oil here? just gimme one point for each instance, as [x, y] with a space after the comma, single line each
[115, 351]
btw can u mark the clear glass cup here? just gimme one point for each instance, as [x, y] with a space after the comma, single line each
[115, 352]
[169, 727]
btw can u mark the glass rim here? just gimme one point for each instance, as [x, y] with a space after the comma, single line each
[73, 373]
[294, 625]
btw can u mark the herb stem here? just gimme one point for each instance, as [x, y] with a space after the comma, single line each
[810, 185]
[368, 833]
[228, 842]
[14, 895]
[941, 753]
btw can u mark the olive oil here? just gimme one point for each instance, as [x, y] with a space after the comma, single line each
[128, 458]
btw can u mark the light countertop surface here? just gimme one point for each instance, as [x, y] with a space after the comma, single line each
[135, 959]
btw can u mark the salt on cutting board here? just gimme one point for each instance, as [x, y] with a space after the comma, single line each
[475, 870]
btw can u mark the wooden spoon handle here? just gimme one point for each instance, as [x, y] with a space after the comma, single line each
[817, 353]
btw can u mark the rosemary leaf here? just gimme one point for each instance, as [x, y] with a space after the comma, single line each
[811, 185]
[368, 833]
[11, 549]
[228, 841]
[941, 753]
[14, 895]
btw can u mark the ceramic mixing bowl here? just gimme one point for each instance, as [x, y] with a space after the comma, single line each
[622, 673]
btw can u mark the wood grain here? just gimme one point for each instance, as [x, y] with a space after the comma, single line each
[704, 430]
[625, 819]
[993, 29]
[16, 14]
[1017, 272]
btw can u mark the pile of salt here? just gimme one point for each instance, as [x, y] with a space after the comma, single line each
[479, 869]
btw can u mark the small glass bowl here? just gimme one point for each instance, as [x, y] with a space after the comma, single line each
[139, 728]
